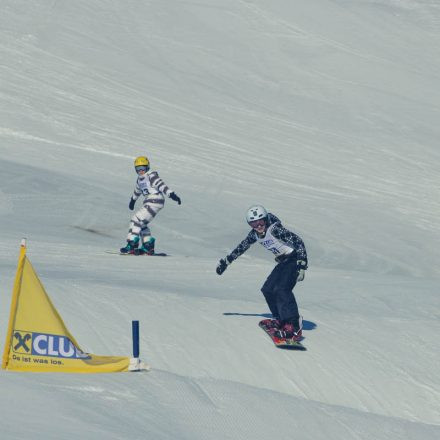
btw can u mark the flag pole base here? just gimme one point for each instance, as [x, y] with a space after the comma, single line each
[136, 364]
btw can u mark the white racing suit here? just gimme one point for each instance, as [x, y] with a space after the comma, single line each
[153, 188]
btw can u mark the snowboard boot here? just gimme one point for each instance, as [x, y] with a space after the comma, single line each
[286, 331]
[290, 331]
[299, 330]
[146, 248]
[272, 325]
[129, 248]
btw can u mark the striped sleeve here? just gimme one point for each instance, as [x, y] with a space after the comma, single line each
[242, 247]
[137, 192]
[157, 183]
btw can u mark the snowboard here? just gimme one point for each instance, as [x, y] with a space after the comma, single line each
[156, 254]
[284, 343]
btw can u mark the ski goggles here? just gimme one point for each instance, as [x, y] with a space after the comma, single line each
[257, 223]
[141, 168]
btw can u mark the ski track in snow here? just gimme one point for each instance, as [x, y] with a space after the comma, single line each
[322, 113]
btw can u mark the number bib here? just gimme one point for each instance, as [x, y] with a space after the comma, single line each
[145, 186]
[274, 245]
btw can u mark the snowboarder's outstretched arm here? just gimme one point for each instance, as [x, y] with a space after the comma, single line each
[160, 185]
[239, 250]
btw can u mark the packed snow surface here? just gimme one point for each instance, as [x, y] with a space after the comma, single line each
[326, 112]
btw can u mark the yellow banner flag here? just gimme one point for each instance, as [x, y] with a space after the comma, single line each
[38, 340]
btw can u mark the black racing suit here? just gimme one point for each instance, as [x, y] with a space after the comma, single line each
[278, 288]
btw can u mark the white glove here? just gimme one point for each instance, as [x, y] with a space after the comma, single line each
[302, 267]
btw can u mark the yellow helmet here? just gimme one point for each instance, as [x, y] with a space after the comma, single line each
[142, 161]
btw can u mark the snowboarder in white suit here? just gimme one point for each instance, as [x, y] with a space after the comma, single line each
[154, 189]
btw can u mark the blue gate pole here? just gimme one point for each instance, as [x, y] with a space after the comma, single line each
[135, 333]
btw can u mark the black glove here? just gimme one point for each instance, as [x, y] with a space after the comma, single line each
[175, 197]
[221, 267]
[301, 267]
[131, 204]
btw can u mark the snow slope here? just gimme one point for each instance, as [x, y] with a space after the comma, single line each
[326, 112]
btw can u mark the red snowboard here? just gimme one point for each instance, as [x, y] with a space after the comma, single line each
[286, 343]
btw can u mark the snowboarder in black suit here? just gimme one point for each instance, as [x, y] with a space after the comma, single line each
[291, 257]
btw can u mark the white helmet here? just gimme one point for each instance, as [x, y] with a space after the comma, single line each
[255, 213]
